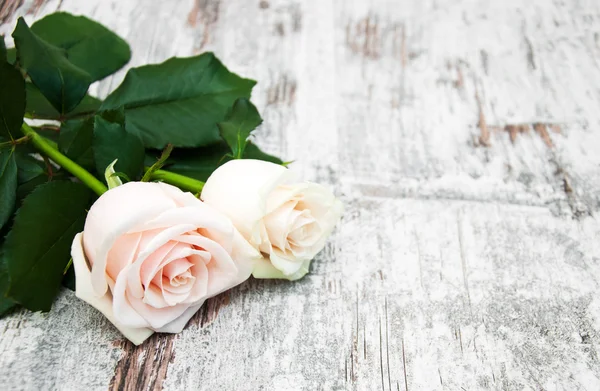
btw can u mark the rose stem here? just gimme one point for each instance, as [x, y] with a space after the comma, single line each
[79, 172]
[181, 181]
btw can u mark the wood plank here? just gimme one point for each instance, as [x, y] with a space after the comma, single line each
[463, 139]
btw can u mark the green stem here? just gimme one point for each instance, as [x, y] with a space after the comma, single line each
[181, 181]
[159, 163]
[42, 145]
[11, 143]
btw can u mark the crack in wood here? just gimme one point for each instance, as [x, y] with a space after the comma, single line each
[484, 136]
[363, 37]
[283, 91]
[404, 365]
[207, 13]
[8, 8]
[387, 345]
[144, 367]
[463, 261]
[381, 355]
[210, 310]
[35, 7]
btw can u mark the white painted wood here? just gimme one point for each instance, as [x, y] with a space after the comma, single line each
[464, 260]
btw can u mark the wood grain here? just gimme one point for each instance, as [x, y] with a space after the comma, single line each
[463, 138]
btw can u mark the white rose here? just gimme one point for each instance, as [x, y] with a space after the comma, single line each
[150, 255]
[288, 222]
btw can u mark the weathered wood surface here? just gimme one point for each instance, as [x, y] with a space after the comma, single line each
[463, 137]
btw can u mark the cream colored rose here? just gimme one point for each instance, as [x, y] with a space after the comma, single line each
[150, 255]
[288, 222]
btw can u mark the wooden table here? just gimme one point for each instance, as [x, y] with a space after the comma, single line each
[463, 138]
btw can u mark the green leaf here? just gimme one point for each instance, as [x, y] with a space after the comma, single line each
[26, 188]
[46, 222]
[62, 82]
[241, 120]
[199, 163]
[69, 278]
[75, 141]
[111, 142]
[2, 49]
[6, 303]
[11, 55]
[12, 100]
[253, 152]
[8, 184]
[39, 107]
[179, 101]
[88, 44]
[28, 167]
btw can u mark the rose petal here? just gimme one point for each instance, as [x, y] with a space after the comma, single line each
[245, 256]
[182, 198]
[114, 214]
[305, 232]
[84, 290]
[327, 224]
[150, 267]
[200, 215]
[200, 289]
[265, 269]
[122, 306]
[178, 324]
[218, 253]
[122, 253]
[134, 283]
[175, 268]
[287, 266]
[277, 224]
[157, 317]
[285, 193]
[239, 189]
[154, 297]
[222, 271]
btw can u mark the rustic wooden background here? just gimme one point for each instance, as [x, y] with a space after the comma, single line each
[463, 137]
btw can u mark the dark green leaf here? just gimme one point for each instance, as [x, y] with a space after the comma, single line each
[89, 45]
[12, 100]
[199, 163]
[31, 173]
[114, 115]
[39, 107]
[241, 120]
[69, 278]
[47, 222]
[8, 184]
[179, 101]
[28, 187]
[111, 142]
[75, 141]
[11, 55]
[6, 303]
[28, 167]
[49, 132]
[2, 49]
[253, 152]
[62, 82]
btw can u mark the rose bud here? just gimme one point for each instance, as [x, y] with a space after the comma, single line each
[150, 255]
[288, 222]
